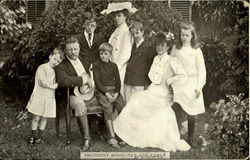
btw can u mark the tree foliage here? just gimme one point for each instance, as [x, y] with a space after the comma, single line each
[65, 18]
[12, 20]
[226, 57]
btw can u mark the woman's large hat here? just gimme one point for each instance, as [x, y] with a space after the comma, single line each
[113, 7]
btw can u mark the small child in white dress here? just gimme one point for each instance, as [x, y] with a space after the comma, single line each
[190, 97]
[42, 102]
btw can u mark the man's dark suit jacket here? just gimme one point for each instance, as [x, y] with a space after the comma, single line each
[66, 75]
[89, 55]
[139, 65]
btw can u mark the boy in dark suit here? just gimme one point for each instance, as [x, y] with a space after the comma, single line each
[89, 41]
[142, 55]
[108, 85]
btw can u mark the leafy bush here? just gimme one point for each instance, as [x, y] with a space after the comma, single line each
[65, 18]
[228, 136]
[227, 14]
[12, 22]
[224, 62]
[226, 57]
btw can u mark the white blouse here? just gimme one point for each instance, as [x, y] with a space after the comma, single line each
[193, 63]
[167, 70]
[121, 40]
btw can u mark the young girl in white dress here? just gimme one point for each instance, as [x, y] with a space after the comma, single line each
[42, 102]
[148, 119]
[190, 97]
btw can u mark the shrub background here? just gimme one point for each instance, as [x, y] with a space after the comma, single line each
[224, 30]
[225, 49]
[65, 18]
[226, 54]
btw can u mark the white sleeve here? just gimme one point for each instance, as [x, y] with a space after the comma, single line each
[43, 80]
[125, 47]
[180, 76]
[201, 69]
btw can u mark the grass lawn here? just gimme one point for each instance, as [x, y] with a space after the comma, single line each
[14, 135]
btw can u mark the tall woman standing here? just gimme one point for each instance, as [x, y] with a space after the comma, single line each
[120, 39]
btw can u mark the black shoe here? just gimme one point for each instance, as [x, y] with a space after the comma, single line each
[31, 140]
[38, 141]
[86, 145]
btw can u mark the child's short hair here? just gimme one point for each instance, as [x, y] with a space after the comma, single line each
[137, 25]
[89, 16]
[59, 51]
[105, 46]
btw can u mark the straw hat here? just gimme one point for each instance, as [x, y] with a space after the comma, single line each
[84, 92]
[113, 7]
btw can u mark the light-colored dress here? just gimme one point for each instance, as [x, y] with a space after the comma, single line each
[193, 63]
[122, 42]
[148, 119]
[42, 101]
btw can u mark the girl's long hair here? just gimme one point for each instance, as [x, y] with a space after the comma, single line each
[194, 41]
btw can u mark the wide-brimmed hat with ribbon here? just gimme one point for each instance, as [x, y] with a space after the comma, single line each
[113, 7]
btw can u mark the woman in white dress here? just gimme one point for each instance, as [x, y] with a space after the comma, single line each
[121, 39]
[148, 119]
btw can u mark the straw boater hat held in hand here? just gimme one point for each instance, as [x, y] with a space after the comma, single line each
[85, 91]
[113, 7]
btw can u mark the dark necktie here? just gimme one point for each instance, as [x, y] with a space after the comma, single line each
[90, 44]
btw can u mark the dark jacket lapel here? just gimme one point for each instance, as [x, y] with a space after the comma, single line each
[82, 40]
[70, 66]
[84, 65]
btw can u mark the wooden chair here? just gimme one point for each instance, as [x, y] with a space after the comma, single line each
[69, 114]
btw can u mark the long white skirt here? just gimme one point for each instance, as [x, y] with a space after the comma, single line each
[149, 121]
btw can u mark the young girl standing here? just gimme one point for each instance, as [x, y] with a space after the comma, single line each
[42, 102]
[190, 97]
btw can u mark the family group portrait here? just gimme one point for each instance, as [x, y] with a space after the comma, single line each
[159, 79]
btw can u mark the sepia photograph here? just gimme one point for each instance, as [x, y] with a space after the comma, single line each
[124, 79]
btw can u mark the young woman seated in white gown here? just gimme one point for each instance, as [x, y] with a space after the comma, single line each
[148, 119]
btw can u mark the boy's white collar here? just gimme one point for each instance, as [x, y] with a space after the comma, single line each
[139, 42]
[87, 35]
